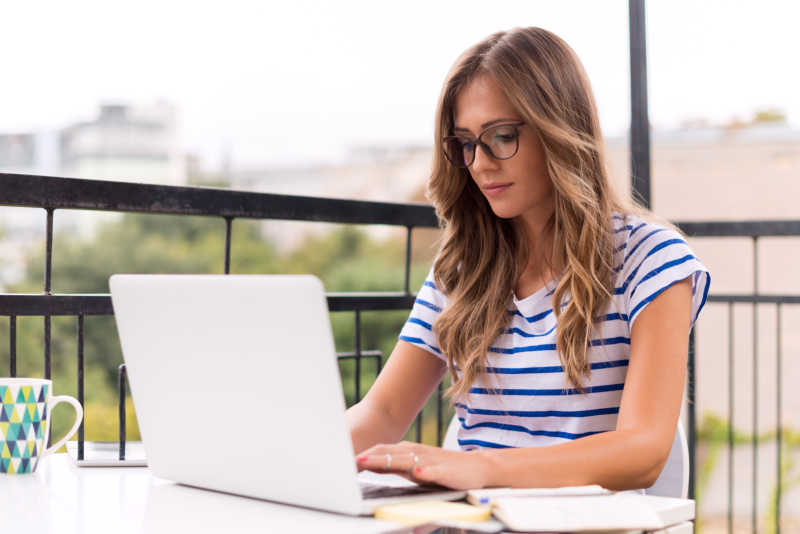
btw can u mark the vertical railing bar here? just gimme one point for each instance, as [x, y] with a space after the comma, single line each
[640, 124]
[692, 416]
[228, 224]
[121, 372]
[778, 394]
[419, 426]
[81, 436]
[439, 414]
[755, 385]
[48, 257]
[47, 360]
[12, 345]
[358, 355]
[730, 418]
[48, 280]
[408, 260]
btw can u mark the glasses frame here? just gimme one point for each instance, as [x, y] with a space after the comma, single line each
[477, 141]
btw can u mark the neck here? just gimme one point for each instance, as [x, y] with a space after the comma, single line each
[541, 240]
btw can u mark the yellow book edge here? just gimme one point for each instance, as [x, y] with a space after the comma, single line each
[415, 513]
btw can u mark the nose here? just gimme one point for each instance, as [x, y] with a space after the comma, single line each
[483, 160]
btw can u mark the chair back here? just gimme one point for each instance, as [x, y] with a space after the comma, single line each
[674, 478]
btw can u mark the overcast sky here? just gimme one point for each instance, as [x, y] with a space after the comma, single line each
[294, 80]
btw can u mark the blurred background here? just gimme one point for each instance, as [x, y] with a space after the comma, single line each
[337, 99]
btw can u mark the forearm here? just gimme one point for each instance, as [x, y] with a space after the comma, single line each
[617, 460]
[369, 425]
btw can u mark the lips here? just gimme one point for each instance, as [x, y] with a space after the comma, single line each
[495, 188]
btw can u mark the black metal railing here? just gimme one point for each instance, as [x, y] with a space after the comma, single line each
[51, 194]
[753, 230]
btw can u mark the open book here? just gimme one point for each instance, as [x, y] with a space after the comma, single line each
[482, 497]
[620, 511]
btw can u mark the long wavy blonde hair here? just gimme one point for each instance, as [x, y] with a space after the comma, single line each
[482, 256]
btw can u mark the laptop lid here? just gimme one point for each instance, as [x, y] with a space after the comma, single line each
[236, 385]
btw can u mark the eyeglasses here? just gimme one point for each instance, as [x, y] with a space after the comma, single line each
[500, 142]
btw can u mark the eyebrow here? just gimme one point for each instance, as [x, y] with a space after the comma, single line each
[485, 124]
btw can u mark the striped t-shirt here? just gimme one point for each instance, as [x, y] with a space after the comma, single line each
[533, 406]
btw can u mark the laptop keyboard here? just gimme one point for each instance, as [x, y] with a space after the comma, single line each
[377, 491]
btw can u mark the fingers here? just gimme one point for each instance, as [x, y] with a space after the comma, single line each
[387, 463]
[429, 473]
[390, 459]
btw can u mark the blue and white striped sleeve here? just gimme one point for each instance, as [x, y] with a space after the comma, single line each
[657, 257]
[418, 328]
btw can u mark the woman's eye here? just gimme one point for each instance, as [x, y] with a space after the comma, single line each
[506, 138]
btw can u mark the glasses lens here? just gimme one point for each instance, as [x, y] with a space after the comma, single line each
[503, 140]
[459, 152]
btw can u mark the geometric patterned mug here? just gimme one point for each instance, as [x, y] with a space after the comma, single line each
[25, 408]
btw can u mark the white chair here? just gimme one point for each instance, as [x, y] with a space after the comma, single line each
[672, 482]
[674, 478]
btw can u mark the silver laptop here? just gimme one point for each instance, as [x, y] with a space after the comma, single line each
[236, 387]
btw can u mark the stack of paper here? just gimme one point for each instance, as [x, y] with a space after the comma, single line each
[590, 513]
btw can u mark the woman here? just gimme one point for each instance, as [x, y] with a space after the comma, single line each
[562, 313]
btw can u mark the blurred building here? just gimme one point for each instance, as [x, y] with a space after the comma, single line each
[18, 152]
[122, 143]
[379, 173]
[126, 143]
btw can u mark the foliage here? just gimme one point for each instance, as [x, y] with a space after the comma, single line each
[345, 259]
[715, 432]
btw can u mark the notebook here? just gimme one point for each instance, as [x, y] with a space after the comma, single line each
[236, 387]
[619, 511]
[482, 497]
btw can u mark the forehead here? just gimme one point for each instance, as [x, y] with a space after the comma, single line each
[480, 101]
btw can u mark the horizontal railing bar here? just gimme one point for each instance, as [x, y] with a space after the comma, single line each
[760, 299]
[22, 304]
[27, 190]
[764, 228]
[370, 301]
[364, 354]
[98, 304]
[33, 191]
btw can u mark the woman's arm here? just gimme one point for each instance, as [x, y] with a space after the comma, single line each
[385, 414]
[629, 457]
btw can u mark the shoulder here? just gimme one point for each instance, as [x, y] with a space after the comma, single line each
[636, 238]
[649, 258]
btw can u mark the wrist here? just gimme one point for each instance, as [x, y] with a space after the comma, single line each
[489, 468]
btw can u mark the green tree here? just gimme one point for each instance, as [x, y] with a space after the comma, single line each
[345, 259]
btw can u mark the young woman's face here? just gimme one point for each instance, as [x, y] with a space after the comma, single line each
[514, 187]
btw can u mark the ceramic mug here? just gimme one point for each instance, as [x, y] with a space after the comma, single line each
[25, 408]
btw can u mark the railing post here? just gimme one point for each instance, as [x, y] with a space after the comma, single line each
[640, 124]
[692, 417]
[228, 223]
[755, 385]
[121, 378]
[730, 417]
[81, 398]
[12, 345]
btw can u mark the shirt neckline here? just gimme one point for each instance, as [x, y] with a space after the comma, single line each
[535, 296]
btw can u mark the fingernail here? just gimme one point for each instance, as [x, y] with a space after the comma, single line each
[418, 471]
[361, 458]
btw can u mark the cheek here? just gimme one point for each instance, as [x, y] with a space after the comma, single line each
[535, 172]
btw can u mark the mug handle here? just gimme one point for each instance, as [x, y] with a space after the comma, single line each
[79, 417]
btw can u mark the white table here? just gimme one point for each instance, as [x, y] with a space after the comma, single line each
[63, 498]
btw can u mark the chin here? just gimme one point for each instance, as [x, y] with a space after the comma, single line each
[504, 212]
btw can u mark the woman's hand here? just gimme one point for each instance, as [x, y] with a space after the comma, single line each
[427, 465]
